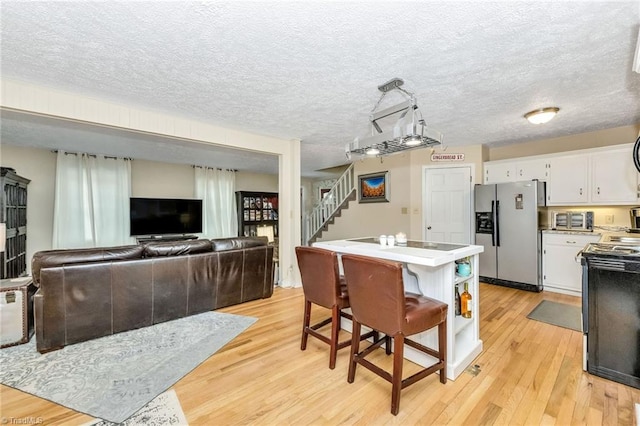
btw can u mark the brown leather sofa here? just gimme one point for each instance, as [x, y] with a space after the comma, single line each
[88, 293]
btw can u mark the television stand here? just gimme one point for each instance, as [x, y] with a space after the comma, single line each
[149, 238]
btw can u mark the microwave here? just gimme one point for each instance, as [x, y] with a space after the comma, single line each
[575, 221]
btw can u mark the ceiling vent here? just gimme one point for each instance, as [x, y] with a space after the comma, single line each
[408, 132]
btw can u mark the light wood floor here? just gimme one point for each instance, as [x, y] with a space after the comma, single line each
[530, 374]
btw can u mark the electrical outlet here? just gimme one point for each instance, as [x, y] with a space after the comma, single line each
[608, 218]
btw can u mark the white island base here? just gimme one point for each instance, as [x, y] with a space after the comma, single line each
[430, 270]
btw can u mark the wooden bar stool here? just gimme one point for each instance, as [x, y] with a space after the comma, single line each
[378, 301]
[323, 286]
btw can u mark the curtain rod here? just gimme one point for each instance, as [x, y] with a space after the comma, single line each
[213, 168]
[55, 151]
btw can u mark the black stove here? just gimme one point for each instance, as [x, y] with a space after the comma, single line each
[620, 251]
[610, 314]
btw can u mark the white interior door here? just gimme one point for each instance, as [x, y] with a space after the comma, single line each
[447, 197]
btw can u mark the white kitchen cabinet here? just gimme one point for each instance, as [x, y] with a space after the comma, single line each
[597, 176]
[499, 172]
[614, 178]
[514, 171]
[561, 271]
[532, 169]
[568, 180]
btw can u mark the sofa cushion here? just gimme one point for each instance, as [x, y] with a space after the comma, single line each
[176, 248]
[236, 243]
[53, 258]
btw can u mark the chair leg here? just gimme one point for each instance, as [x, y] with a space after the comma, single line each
[396, 378]
[442, 349]
[335, 331]
[387, 345]
[305, 324]
[355, 348]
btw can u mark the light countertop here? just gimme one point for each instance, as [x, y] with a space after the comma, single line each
[405, 254]
[562, 231]
[603, 233]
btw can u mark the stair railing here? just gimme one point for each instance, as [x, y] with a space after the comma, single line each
[327, 207]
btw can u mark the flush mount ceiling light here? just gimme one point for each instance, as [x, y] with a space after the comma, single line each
[409, 131]
[542, 115]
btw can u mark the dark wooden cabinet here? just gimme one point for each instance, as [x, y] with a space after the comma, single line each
[256, 209]
[13, 212]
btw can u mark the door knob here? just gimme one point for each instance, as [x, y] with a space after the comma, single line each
[428, 228]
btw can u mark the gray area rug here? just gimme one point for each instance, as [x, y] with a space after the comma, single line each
[560, 314]
[165, 409]
[113, 377]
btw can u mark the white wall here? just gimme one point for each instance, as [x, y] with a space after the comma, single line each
[306, 191]
[620, 214]
[154, 179]
[148, 179]
[407, 186]
[404, 211]
[256, 182]
[598, 138]
[39, 165]
[161, 180]
[35, 99]
[371, 219]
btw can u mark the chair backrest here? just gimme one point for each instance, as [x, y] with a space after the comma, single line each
[320, 275]
[376, 292]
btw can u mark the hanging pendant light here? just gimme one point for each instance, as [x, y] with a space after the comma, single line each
[409, 132]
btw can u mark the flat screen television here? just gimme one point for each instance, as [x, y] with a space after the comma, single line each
[161, 216]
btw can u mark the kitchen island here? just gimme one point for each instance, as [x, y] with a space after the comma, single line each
[430, 270]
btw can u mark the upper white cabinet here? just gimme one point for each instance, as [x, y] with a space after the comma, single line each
[531, 169]
[568, 181]
[614, 178]
[499, 172]
[599, 176]
[513, 171]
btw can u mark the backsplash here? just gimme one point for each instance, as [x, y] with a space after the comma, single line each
[619, 214]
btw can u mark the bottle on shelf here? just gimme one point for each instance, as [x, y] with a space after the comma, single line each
[458, 303]
[465, 302]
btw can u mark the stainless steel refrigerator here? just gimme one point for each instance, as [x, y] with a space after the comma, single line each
[507, 219]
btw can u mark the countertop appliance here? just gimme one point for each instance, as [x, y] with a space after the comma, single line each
[572, 220]
[635, 219]
[507, 219]
[611, 311]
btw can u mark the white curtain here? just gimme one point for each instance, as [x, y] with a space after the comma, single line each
[217, 190]
[91, 204]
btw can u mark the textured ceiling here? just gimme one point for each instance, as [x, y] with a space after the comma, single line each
[310, 70]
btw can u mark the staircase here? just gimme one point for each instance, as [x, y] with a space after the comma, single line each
[330, 207]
